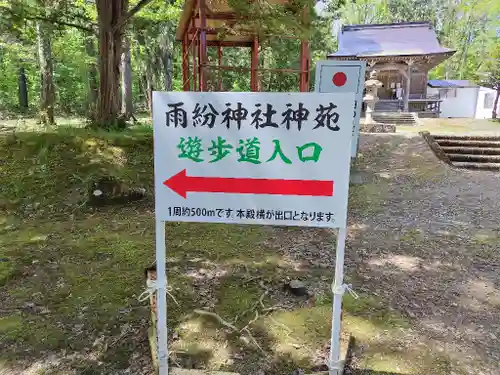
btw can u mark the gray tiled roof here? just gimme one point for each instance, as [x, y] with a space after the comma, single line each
[395, 39]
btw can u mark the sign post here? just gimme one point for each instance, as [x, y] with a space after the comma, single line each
[252, 158]
[343, 77]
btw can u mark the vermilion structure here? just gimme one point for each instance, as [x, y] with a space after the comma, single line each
[203, 24]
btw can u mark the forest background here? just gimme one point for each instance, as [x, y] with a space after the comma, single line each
[100, 60]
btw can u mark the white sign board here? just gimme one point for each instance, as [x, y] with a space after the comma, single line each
[343, 77]
[252, 158]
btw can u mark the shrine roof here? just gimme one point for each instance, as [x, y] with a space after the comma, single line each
[394, 39]
[219, 16]
[451, 83]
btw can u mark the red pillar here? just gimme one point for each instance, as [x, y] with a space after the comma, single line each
[254, 65]
[185, 62]
[202, 56]
[304, 66]
[219, 63]
[193, 49]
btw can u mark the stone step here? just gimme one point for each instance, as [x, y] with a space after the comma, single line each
[390, 106]
[396, 117]
[182, 371]
[438, 137]
[468, 143]
[393, 120]
[475, 158]
[480, 166]
[471, 150]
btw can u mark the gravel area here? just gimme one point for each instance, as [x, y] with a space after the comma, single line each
[425, 239]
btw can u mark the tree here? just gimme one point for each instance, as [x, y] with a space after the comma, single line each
[88, 75]
[112, 17]
[92, 74]
[47, 97]
[489, 76]
[126, 81]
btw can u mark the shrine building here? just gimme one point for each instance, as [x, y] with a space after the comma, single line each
[403, 54]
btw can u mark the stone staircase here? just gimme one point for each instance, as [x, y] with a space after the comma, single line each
[469, 152]
[388, 106]
[395, 118]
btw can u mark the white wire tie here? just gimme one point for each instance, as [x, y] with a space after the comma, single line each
[151, 288]
[344, 288]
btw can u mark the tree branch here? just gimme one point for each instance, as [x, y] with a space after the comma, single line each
[132, 12]
[62, 23]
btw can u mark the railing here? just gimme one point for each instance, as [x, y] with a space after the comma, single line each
[425, 105]
[431, 105]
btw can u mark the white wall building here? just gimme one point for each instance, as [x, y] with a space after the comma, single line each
[461, 98]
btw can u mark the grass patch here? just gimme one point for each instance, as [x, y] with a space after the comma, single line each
[451, 126]
[49, 173]
[235, 297]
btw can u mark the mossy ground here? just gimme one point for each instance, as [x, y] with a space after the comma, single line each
[70, 275]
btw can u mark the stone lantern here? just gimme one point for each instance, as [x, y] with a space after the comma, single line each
[371, 85]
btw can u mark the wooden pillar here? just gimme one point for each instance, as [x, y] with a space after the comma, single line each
[407, 89]
[194, 78]
[304, 66]
[202, 57]
[254, 65]
[304, 56]
[185, 62]
[308, 68]
[219, 63]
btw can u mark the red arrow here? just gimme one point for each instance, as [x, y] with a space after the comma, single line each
[181, 183]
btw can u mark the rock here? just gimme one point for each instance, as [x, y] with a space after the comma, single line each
[378, 128]
[108, 190]
[43, 311]
[297, 288]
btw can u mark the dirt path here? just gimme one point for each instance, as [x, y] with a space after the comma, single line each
[425, 239]
[444, 274]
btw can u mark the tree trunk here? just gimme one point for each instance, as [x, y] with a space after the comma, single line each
[149, 91]
[126, 76]
[92, 72]
[23, 90]
[494, 113]
[167, 61]
[109, 14]
[46, 71]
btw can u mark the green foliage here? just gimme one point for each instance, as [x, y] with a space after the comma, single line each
[156, 55]
[468, 27]
[489, 74]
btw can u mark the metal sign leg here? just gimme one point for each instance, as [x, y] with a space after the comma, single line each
[161, 298]
[338, 290]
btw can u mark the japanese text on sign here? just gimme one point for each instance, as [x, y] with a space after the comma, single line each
[263, 116]
[252, 214]
[248, 150]
[255, 158]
